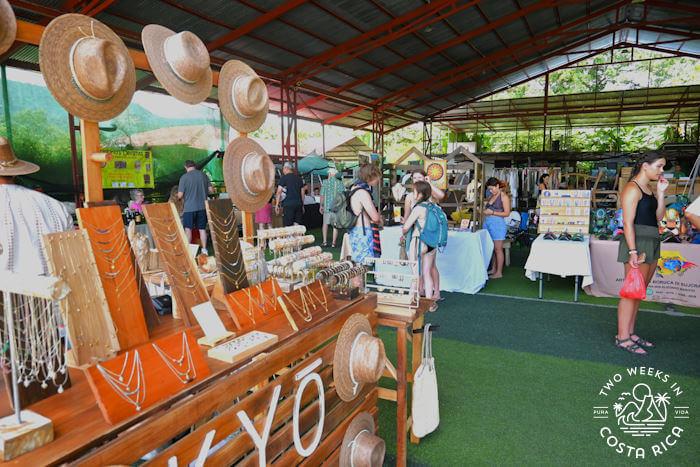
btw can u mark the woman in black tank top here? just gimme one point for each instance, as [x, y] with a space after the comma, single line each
[640, 247]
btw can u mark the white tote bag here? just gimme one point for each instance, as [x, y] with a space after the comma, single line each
[424, 407]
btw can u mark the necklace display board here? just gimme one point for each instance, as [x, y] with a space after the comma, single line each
[169, 237]
[141, 377]
[90, 328]
[224, 236]
[118, 272]
[307, 304]
[253, 305]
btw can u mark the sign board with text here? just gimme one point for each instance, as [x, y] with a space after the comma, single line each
[129, 168]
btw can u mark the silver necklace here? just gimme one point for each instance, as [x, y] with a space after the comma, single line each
[190, 373]
[126, 389]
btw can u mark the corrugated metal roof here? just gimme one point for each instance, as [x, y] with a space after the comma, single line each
[411, 59]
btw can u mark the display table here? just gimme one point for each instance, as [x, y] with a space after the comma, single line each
[677, 278]
[463, 264]
[561, 258]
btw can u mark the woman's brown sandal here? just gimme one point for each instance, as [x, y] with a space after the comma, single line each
[633, 348]
[642, 342]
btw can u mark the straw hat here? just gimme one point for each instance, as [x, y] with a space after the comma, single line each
[180, 62]
[242, 96]
[249, 174]
[10, 165]
[86, 67]
[361, 447]
[358, 358]
[8, 26]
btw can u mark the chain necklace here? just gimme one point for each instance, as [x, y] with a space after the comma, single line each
[242, 308]
[314, 298]
[302, 311]
[104, 231]
[187, 376]
[124, 388]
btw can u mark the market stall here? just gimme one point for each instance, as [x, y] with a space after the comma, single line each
[677, 278]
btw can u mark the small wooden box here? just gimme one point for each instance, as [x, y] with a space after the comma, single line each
[15, 440]
[243, 347]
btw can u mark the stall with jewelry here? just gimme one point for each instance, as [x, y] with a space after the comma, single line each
[261, 362]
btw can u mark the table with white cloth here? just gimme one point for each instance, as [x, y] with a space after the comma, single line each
[562, 258]
[463, 264]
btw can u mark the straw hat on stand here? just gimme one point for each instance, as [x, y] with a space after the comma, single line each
[243, 97]
[10, 165]
[86, 67]
[249, 174]
[358, 358]
[180, 62]
[361, 447]
[8, 26]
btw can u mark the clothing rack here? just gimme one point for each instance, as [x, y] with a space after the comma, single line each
[523, 182]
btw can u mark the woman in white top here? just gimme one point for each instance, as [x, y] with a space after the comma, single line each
[418, 250]
[436, 195]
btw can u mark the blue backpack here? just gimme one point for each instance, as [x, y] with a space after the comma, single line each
[434, 233]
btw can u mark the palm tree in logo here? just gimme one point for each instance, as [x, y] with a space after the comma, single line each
[662, 402]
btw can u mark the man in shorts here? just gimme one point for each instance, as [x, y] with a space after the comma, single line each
[292, 205]
[193, 189]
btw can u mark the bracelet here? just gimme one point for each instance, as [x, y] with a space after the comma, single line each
[633, 252]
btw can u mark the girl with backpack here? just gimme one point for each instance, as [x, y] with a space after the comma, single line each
[418, 250]
[497, 209]
[361, 205]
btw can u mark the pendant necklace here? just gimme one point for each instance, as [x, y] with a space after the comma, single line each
[124, 388]
[190, 373]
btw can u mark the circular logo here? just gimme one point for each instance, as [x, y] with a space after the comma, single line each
[641, 412]
[435, 171]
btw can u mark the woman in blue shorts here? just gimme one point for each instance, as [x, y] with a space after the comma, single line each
[497, 209]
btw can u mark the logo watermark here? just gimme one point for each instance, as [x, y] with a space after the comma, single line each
[641, 412]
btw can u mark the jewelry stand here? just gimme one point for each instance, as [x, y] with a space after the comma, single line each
[214, 330]
[92, 333]
[308, 303]
[243, 347]
[227, 247]
[145, 375]
[406, 297]
[297, 269]
[345, 280]
[117, 271]
[25, 430]
[183, 275]
[254, 305]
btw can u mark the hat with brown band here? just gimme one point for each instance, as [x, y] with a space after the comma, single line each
[87, 67]
[358, 358]
[249, 174]
[10, 165]
[361, 447]
[180, 62]
[243, 96]
[8, 26]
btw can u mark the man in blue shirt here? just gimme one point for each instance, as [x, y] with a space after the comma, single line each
[292, 205]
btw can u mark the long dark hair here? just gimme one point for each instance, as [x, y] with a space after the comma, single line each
[648, 157]
[542, 177]
[424, 190]
[493, 181]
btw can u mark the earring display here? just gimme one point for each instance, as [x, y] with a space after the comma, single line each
[93, 334]
[117, 270]
[227, 245]
[406, 293]
[169, 237]
[243, 347]
[126, 385]
[255, 304]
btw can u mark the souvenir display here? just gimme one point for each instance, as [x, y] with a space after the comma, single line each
[348, 282]
[145, 375]
[249, 174]
[325, 274]
[243, 97]
[286, 260]
[177, 261]
[118, 272]
[227, 245]
[564, 211]
[180, 62]
[87, 67]
[243, 347]
[93, 330]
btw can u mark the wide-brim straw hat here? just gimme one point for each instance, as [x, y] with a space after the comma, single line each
[180, 62]
[243, 97]
[86, 67]
[10, 165]
[361, 447]
[249, 174]
[358, 357]
[8, 26]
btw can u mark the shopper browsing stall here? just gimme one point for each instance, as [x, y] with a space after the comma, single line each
[419, 250]
[409, 203]
[640, 247]
[292, 206]
[361, 236]
[26, 215]
[138, 198]
[543, 183]
[330, 189]
[497, 209]
[193, 188]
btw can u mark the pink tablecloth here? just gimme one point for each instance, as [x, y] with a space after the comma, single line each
[677, 278]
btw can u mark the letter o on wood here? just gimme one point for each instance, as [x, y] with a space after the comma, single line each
[306, 452]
